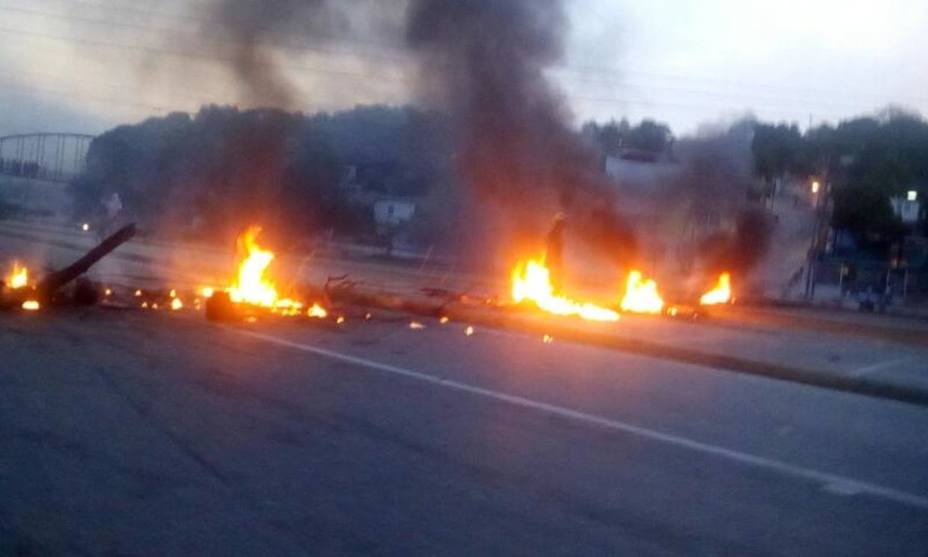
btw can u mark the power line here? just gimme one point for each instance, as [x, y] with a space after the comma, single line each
[581, 72]
[323, 70]
[399, 79]
[109, 101]
[186, 54]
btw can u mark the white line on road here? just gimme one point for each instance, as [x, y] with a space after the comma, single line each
[833, 482]
[866, 370]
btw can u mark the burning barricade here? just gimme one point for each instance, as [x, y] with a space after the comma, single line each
[531, 281]
[17, 289]
[720, 294]
[252, 290]
[18, 292]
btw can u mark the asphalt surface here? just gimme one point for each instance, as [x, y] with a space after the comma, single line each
[142, 433]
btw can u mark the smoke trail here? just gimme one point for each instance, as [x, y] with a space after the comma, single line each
[250, 33]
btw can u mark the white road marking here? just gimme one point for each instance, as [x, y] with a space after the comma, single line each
[831, 482]
[866, 370]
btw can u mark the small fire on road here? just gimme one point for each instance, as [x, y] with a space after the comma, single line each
[253, 287]
[720, 294]
[641, 295]
[18, 277]
[531, 281]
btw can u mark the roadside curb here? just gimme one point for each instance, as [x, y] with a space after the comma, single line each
[865, 386]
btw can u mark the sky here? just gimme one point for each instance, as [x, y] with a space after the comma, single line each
[88, 65]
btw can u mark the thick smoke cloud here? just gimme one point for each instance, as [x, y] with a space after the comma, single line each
[484, 62]
[717, 184]
[739, 250]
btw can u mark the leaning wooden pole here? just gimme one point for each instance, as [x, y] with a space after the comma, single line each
[47, 287]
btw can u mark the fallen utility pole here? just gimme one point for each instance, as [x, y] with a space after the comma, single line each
[45, 290]
[56, 279]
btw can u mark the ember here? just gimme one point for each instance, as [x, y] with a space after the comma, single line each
[31, 305]
[641, 295]
[531, 280]
[721, 294]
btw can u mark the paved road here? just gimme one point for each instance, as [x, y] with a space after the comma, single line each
[129, 433]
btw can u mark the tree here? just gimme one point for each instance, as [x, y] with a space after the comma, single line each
[650, 136]
[777, 151]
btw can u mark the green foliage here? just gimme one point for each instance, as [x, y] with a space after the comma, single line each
[866, 161]
[864, 210]
[777, 150]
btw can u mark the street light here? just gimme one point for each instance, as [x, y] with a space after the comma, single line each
[913, 195]
[815, 186]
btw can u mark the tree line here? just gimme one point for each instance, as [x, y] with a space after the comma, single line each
[864, 162]
[207, 173]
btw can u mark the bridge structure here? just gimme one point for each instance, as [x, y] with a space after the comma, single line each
[56, 157]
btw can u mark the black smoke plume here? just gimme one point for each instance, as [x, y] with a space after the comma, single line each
[249, 35]
[739, 250]
[484, 62]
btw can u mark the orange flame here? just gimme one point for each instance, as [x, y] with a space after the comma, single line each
[18, 277]
[531, 280]
[721, 294]
[317, 311]
[251, 286]
[31, 305]
[641, 295]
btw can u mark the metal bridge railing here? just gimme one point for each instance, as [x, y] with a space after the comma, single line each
[56, 157]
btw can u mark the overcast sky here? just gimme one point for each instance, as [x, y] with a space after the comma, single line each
[87, 65]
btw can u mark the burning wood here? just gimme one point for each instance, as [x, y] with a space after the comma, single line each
[252, 287]
[18, 277]
[531, 281]
[641, 295]
[17, 292]
[720, 294]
